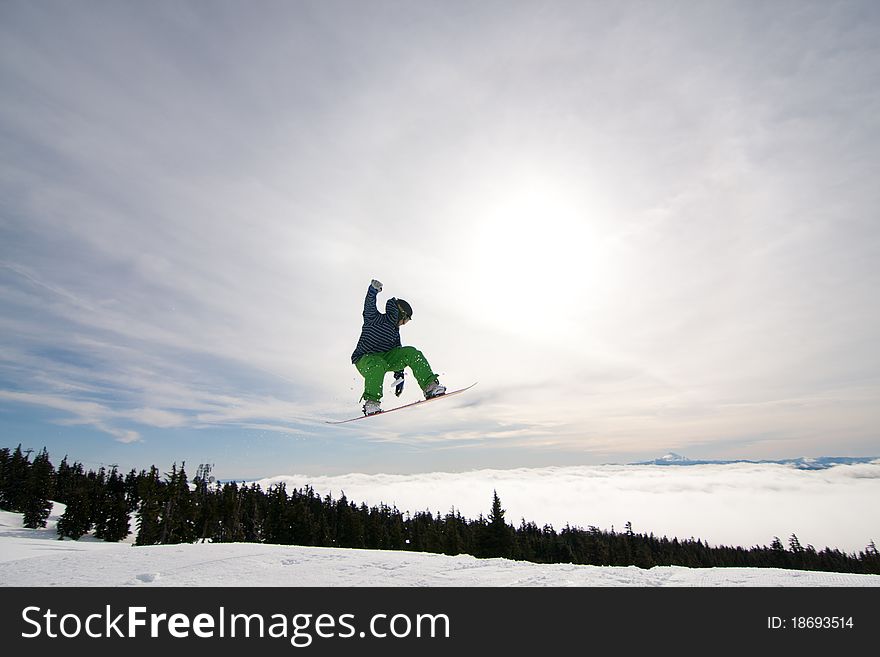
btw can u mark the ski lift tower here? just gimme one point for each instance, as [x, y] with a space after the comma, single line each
[204, 473]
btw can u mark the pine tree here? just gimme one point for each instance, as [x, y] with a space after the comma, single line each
[76, 520]
[349, 526]
[97, 493]
[115, 509]
[871, 559]
[177, 524]
[149, 510]
[5, 463]
[64, 480]
[205, 506]
[13, 493]
[39, 486]
[278, 530]
[230, 530]
[453, 534]
[496, 537]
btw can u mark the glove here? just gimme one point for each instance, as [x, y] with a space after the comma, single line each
[398, 383]
[376, 285]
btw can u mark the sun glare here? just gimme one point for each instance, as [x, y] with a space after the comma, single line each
[533, 252]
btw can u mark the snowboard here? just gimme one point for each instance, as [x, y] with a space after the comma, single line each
[398, 408]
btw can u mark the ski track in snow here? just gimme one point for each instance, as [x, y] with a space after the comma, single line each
[36, 558]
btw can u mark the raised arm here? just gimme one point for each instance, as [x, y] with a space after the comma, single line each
[370, 310]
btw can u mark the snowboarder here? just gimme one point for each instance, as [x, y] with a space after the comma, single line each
[379, 351]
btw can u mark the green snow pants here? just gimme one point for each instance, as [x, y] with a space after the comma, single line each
[373, 368]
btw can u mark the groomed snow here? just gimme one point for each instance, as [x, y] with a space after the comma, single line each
[35, 557]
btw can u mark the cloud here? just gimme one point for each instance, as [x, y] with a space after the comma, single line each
[88, 413]
[740, 504]
[632, 224]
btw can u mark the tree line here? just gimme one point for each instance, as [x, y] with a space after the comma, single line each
[170, 508]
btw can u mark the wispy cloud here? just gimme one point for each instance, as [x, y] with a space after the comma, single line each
[635, 225]
[90, 413]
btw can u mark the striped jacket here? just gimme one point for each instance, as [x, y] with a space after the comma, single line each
[380, 332]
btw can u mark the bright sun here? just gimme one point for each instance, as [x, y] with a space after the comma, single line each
[533, 251]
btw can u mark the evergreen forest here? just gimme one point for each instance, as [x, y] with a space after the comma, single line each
[167, 508]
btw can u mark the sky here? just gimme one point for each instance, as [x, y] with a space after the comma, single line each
[640, 226]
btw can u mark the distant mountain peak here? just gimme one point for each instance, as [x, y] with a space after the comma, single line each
[801, 463]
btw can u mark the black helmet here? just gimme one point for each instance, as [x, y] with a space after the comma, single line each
[404, 308]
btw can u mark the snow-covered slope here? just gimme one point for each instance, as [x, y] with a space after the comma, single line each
[37, 558]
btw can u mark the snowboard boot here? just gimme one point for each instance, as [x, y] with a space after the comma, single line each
[434, 389]
[372, 407]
